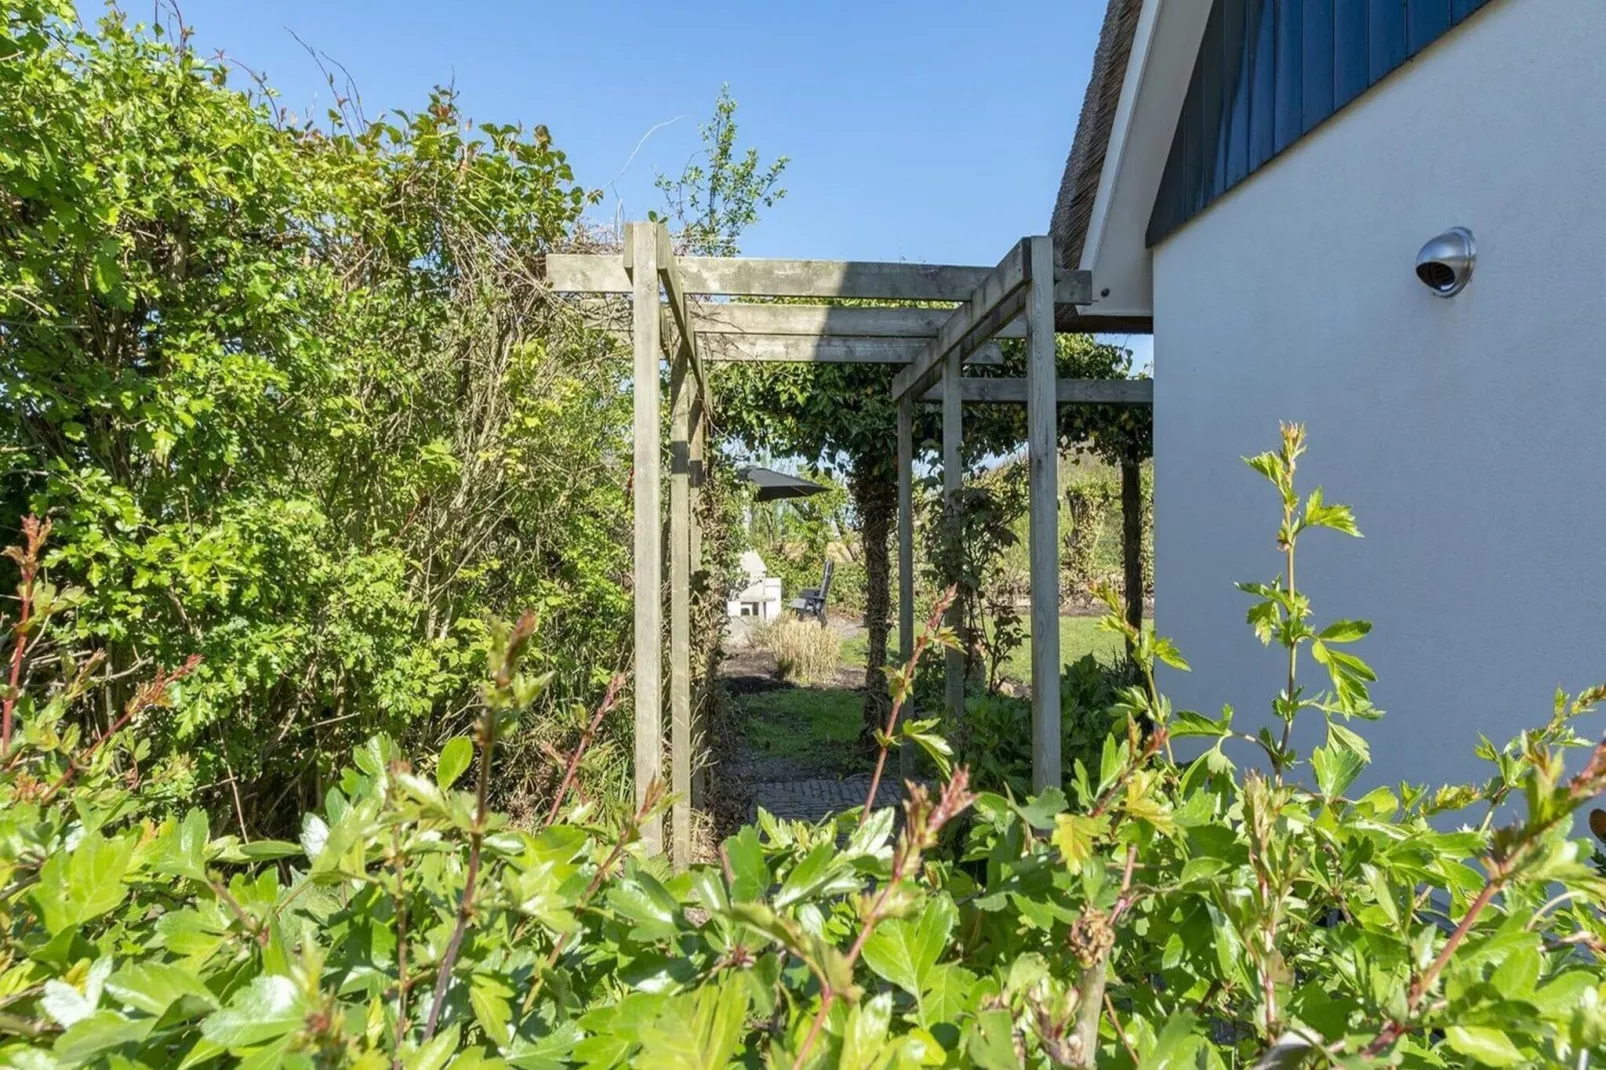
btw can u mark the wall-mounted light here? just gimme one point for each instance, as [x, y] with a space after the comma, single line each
[1445, 264]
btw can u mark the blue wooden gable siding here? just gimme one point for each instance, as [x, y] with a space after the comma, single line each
[1270, 71]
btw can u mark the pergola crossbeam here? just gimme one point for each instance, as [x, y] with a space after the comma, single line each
[827, 321]
[991, 306]
[799, 349]
[1067, 391]
[748, 277]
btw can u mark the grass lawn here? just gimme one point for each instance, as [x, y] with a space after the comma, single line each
[808, 724]
[819, 726]
[1078, 635]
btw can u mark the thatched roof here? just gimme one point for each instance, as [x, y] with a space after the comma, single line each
[1080, 185]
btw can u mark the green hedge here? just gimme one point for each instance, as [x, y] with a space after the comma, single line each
[1155, 913]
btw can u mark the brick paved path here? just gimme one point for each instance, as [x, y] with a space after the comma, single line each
[811, 800]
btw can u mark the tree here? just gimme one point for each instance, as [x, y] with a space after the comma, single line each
[295, 399]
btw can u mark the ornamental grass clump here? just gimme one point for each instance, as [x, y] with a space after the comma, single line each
[1247, 908]
[805, 652]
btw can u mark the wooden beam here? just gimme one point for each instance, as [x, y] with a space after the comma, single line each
[675, 294]
[796, 349]
[828, 320]
[749, 277]
[906, 556]
[604, 273]
[1066, 391]
[953, 481]
[993, 304]
[680, 391]
[1042, 437]
[1072, 289]
[642, 260]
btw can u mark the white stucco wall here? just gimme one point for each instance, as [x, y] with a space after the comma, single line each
[1469, 434]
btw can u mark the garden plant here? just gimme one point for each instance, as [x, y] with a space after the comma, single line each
[1162, 911]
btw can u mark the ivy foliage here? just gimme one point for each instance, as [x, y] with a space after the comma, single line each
[1156, 913]
[294, 399]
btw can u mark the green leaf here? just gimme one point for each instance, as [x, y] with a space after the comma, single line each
[434, 1055]
[1345, 631]
[1075, 835]
[98, 1033]
[456, 757]
[905, 951]
[1336, 769]
[696, 1030]
[153, 987]
[1192, 723]
[1345, 739]
[1166, 651]
[491, 1000]
[865, 1033]
[267, 1008]
[263, 850]
[1269, 465]
[1321, 515]
[991, 1043]
[1487, 1045]
[750, 875]
[822, 871]
[1175, 1045]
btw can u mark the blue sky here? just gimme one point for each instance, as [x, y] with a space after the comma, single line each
[934, 131]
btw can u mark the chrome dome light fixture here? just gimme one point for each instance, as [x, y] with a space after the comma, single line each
[1445, 264]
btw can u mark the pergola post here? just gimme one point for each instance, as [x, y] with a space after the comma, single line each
[929, 342]
[953, 481]
[906, 555]
[699, 448]
[680, 604]
[641, 259]
[1043, 537]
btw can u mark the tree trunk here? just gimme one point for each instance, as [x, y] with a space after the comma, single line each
[1132, 539]
[876, 500]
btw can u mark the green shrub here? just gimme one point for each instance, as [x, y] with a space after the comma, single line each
[998, 728]
[1155, 914]
[295, 398]
[804, 651]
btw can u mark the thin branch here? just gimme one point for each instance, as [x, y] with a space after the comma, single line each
[610, 701]
[921, 643]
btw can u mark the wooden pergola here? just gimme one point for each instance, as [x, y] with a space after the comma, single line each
[679, 312]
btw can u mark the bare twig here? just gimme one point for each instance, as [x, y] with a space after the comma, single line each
[501, 682]
[35, 532]
[610, 702]
[921, 643]
[400, 907]
[151, 694]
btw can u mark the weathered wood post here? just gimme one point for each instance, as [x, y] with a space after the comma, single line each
[699, 449]
[906, 556]
[1043, 535]
[953, 481]
[641, 261]
[1132, 539]
[680, 603]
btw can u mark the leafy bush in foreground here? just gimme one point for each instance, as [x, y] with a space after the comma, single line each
[296, 398]
[1158, 914]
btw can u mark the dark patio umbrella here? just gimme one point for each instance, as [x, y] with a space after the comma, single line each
[774, 486]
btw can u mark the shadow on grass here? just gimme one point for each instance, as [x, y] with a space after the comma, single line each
[800, 731]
